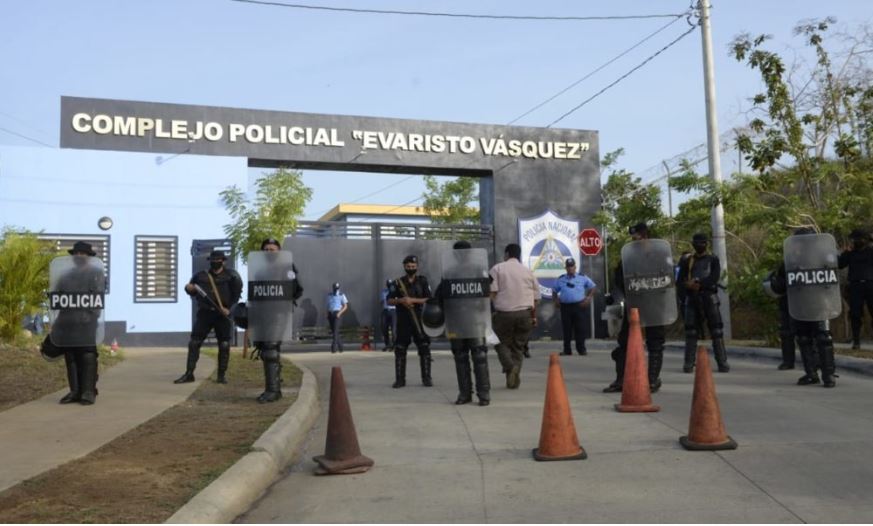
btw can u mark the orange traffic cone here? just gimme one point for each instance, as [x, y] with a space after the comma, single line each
[558, 440]
[636, 397]
[705, 427]
[342, 455]
[365, 344]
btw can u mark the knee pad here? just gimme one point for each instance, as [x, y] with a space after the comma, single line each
[690, 333]
[823, 340]
[480, 354]
[717, 332]
[224, 346]
[804, 342]
[194, 345]
[400, 351]
[270, 354]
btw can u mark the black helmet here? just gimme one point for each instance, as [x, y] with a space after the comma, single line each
[270, 241]
[240, 315]
[49, 350]
[432, 316]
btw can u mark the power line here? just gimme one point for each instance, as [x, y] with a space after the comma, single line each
[109, 183]
[457, 15]
[106, 204]
[25, 123]
[587, 76]
[643, 63]
[31, 139]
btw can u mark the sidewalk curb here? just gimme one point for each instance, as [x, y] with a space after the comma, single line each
[233, 493]
[847, 363]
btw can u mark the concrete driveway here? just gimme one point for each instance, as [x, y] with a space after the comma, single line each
[805, 453]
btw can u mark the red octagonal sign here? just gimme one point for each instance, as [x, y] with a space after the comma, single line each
[590, 242]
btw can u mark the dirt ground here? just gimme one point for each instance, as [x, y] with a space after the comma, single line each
[25, 375]
[145, 475]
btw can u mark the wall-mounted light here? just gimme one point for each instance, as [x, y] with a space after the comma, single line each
[105, 223]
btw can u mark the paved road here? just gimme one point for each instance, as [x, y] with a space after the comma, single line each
[805, 453]
[41, 435]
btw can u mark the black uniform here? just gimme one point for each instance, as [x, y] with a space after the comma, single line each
[463, 349]
[814, 340]
[786, 335]
[409, 328]
[80, 360]
[229, 286]
[860, 263]
[702, 305]
[654, 336]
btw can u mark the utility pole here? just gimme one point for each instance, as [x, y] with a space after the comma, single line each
[718, 235]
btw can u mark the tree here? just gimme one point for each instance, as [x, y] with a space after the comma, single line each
[280, 199]
[24, 266]
[808, 144]
[626, 201]
[449, 202]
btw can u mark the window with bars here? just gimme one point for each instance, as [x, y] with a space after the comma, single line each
[155, 269]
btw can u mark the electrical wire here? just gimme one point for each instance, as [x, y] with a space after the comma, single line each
[590, 74]
[635, 68]
[457, 15]
[37, 141]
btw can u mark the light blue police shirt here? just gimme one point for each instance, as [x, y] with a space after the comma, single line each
[567, 294]
[335, 302]
[385, 301]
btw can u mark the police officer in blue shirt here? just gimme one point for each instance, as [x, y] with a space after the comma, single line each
[389, 319]
[574, 293]
[337, 305]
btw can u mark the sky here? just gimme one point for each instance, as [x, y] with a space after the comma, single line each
[234, 54]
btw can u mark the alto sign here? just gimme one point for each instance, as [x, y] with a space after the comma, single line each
[590, 242]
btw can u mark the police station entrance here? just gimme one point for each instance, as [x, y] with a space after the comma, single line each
[538, 186]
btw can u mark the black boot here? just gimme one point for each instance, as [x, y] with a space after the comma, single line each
[72, 379]
[223, 361]
[272, 376]
[399, 368]
[424, 360]
[191, 363]
[465, 382]
[655, 361]
[690, 354]
[87, 366]
[826, 356]
[720, 355]
[810, 362]
[480, 371]
[615, 387]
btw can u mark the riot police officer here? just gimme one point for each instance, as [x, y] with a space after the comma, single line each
[77, 285]
[657, 307]
[698, 277]
[463, 295]
[808, 277]
[859, 259]
[409, 293]
[216, 291]
[273, 287]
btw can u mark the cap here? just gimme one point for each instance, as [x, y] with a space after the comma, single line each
[569, 262]
[336, 285]
[410, 259]
[804, 230]
[462, 244]
[699, 238]
[639, 228]
[217, 254]
[270, 241]
[81, 246]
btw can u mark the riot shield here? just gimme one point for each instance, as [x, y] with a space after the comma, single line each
[649, 283]
[465, 293]
[270, 296]
[812, 277]
[76, 298]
